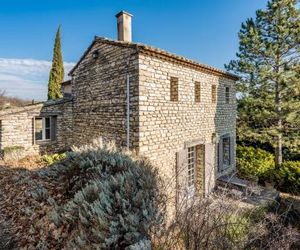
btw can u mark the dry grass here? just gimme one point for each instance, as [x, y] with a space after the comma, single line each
[28, 162]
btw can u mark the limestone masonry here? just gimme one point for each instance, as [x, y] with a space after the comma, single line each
[178, 113]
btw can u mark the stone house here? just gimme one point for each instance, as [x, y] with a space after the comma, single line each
[177, 112]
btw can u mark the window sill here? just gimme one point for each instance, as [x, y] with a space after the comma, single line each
[44, 142]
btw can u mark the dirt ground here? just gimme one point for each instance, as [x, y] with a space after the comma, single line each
[9, 173]
[6, 235]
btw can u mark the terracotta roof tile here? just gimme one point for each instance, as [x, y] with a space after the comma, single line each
[152, 50]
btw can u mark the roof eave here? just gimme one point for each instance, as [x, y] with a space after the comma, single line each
[146, 48]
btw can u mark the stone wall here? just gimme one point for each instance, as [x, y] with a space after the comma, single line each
[17, 127]
[159, 128]
[99, 91]
[165, 126]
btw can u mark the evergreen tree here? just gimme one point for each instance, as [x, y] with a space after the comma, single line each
[56, 76]
[268, 64]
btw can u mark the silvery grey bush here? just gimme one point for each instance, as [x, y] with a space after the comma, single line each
[113, 198]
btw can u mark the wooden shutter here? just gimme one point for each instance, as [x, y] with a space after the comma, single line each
[53, 128]
[181, 177]
[200, 170]
[209, 172]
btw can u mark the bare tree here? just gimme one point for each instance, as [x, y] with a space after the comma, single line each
[6, 101]
[221, 222]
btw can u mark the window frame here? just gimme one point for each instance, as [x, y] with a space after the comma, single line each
[227, 164]
[214, 93]
[191, 170]
[227, 94]
[197, 90]
[174, 97]
[45, 127]
[222, 166]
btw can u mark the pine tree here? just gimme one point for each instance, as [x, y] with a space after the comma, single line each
[268, 64]
[56, 76]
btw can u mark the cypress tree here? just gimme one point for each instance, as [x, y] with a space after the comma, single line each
[56, 76]
[268, 64]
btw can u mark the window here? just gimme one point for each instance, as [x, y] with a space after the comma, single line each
[174, 89]
[214, 93]
[227, 94]
[38, 129]
[226, 151]
[197, 92]
[191, 167]
[45, 128]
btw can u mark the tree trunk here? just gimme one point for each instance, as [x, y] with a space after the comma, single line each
[278, 152]
[278, 147]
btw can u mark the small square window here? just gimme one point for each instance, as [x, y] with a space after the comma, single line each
[227, 94]
[197, 92]
[174, 89]
[214, 93]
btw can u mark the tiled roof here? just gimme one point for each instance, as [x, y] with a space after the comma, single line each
[66, 83]
[29, 107]
[159, 52]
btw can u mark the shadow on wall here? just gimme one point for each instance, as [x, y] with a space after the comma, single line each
[225, 126]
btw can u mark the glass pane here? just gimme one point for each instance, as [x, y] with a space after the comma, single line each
[38, 129]
[47, 122]
[47, 136]
[226, 151]
[191, 167]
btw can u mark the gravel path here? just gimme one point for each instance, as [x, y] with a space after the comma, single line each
[6, 240]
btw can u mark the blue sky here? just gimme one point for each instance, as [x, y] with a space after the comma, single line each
[204, 30]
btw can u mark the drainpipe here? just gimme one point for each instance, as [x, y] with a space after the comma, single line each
[128, 108]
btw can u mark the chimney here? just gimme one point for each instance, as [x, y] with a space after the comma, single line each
[124, 26]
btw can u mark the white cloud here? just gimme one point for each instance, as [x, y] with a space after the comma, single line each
[26, 78]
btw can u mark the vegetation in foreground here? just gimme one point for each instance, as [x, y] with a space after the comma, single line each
[99, 198]
[95, 197]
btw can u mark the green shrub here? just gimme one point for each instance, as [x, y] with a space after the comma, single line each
[254, 162]
[11, 149]
[238, 227]
[12, 153]
[288, 177]
[50, 159]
